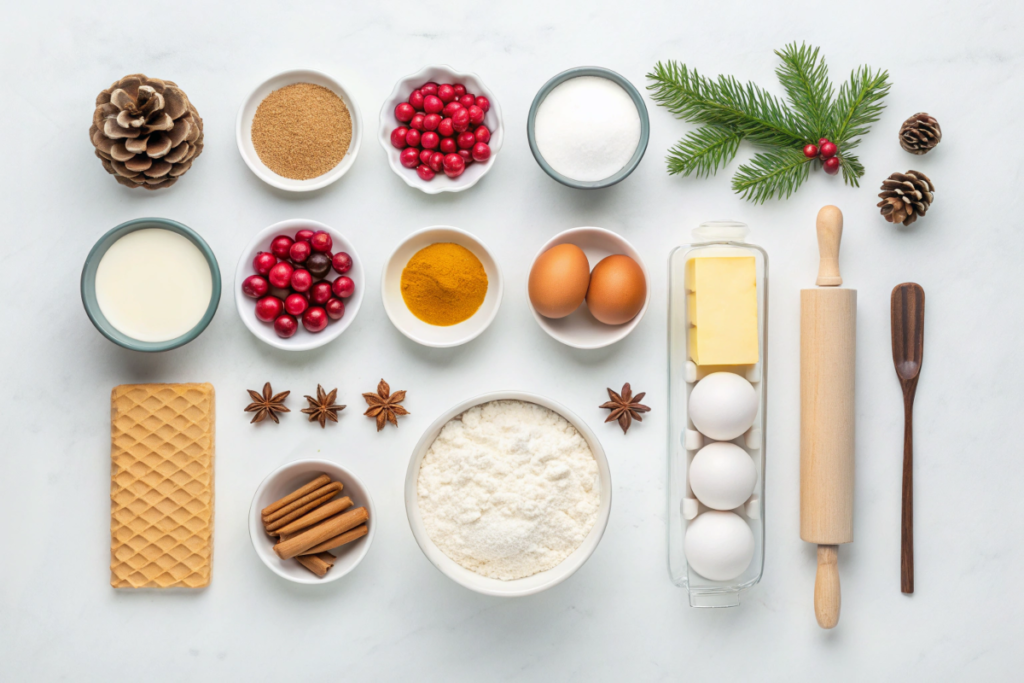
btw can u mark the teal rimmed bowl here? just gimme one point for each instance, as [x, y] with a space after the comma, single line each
[641, 108]
[92, 262]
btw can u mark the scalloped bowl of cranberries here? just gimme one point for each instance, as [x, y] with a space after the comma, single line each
[441, 129]
[298, 285]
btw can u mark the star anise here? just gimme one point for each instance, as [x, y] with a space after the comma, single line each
[384, 405]
[625, 407]
[322, 408]
[267, 405]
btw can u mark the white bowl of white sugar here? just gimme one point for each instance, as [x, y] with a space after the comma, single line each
[508, 493]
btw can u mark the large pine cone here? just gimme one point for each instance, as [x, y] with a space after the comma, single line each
[905, 196]
[920, 133]
[146, 132]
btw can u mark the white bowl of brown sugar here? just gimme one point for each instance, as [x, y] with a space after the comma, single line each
[299, 130]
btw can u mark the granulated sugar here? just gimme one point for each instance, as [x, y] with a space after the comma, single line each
[509, 489]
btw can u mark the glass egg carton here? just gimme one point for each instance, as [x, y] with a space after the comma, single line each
[720, 238]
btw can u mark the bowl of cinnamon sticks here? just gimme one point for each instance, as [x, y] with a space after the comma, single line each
[311, 521]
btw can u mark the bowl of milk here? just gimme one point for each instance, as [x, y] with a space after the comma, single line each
[151, 284]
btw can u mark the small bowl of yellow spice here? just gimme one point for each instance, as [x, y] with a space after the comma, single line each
[299, 130]
[441, 287]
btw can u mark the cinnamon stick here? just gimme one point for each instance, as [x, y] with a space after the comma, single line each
[322, 480]
[317, 515]
[309, 507]
[318, 564]
[332, 487]
[323, 531]
[338, 541]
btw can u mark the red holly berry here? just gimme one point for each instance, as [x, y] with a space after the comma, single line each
[831, 165]
[810, 151]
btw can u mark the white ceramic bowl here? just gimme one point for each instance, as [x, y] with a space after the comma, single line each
[301, 340]
[283, 481]
[580, 329]
[243, 130]
[434, 335]
[483, 584]
[493, 120]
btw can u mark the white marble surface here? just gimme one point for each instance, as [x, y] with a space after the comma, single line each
[619, 618]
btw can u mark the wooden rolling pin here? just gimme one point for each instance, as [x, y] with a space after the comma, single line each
[828, 342]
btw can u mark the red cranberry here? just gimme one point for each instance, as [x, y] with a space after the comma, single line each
[321, 241]
[314, 319]
[295, 304]
[343, 287]
[285, 326]
[445, 129]
[300, 251]
[451, 108]
[459, 89]
[436, 162]
[342, 262]
[431, 121]
[404, 112]
[320, 292]
[432, 104]
[447, 146]
[483, 134]
[301, 280]
[467, 101]
[255, 286]
[810, 151]
[483, 103]
[466, 155]
[428, 88]
[425, 155]
[430, 140]
[425, 173]
[398, 137]
[263, 262]
[454, 165]
[417, 122]
[304, 235]
[460, 120]
[481, 152]
[280, 246]
[828, 149]
[281, 274]
[416, 100]
[412, 138]
[268, 308]
[466, 140]
[446, 93]
[335, 308]
[831, 165]
[476, 115]
[410, 157]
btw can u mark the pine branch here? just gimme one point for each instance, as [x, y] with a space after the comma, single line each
[805, 79]
[750, 112]
[852, 169]
[702, 152]
[858, 105]
[777, 172]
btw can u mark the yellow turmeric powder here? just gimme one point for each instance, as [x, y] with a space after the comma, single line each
[444, 284]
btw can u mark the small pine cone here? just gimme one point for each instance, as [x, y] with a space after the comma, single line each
[920, 133]
[905, 196]
[146, 132]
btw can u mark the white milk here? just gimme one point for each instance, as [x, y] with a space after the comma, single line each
[153, 285]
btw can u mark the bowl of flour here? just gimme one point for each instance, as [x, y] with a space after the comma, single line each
[508, 493]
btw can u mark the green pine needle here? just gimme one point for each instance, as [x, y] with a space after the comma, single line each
[730, 112]
[703, 151]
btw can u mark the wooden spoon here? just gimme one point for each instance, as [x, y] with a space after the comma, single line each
[907, 353]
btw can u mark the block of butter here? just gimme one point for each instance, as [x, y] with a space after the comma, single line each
[161, 485]
[722, 301]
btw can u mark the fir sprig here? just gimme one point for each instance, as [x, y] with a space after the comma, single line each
[731, 112]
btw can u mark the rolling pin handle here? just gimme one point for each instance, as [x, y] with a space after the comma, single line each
[826, 587]
[830, 233]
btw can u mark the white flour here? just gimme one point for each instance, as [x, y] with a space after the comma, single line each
[508, 490]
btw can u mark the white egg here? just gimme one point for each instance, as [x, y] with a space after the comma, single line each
[722, 475]
[723, 405]
[719, 545]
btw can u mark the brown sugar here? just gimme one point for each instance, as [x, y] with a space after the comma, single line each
[301, 131]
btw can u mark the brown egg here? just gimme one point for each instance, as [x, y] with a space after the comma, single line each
[617, 290]
[559, 280]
